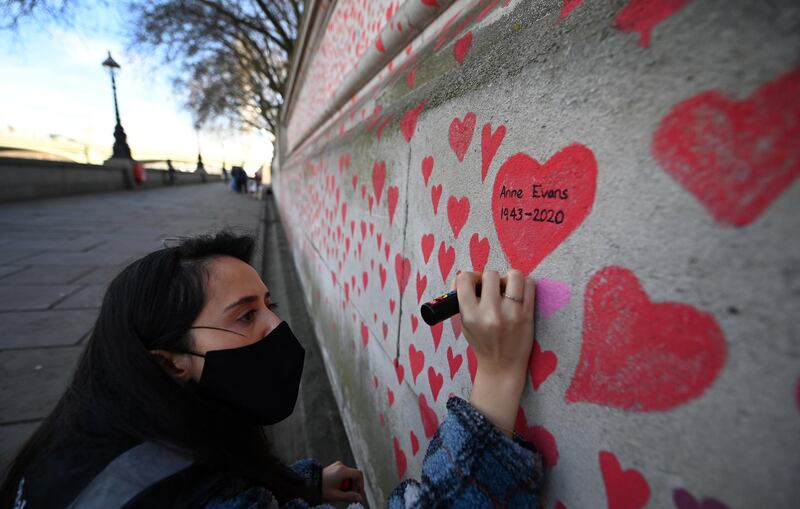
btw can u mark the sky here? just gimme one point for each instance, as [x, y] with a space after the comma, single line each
[56, 95]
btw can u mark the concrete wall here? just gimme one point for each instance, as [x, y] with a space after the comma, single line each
[24, 179]
[662, 141]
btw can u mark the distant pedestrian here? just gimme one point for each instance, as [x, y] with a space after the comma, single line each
[170, 172]
[224, 173]
[239, 178]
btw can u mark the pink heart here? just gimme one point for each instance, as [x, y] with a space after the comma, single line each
[551, 295]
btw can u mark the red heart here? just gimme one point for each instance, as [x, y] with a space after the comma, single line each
[408, 122]
[430, 422]
[379, 47]
[375, 381]
[414, 444]
[430, 3]
[355, 182]
[625, 489]
[422, 282]
[399, 371]
[447, 258]
[374, 317]
[639, 355]
[428, 242]
[382, 419]
[461, 47]
[568, 7]
[472, 363]
[363, 191]
[364, 334]
[435, 380]
[346, 292]
[379, 240]
[427, 169]
[378, 178]
[478, 252]
[402, 270]
[539, 436]
[489, 145]
[400, 458]
[685, 500]
[390, 396]
[417, 360]
[369, 198]
[455, 323]
[391, 306]
[642, 15]
[410, 78]
[436, 335]
[460, 134]
[382, 274]
[535, 207]
[363, 225]
[391, 197]
[436, 193]
[414, 323]
[364, 279]
[385, 330]
[454, 361]
[541, 365]
[735, 157]
[457, 213]
[386, 251]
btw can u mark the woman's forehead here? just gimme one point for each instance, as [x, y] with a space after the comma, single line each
[230, 279]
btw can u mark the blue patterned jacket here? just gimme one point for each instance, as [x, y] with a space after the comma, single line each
[469, 463]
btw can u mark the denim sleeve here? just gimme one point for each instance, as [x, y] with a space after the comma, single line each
[471, 463]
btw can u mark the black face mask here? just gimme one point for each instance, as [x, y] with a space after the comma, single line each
[261, 380]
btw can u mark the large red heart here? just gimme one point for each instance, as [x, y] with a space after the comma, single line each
[535, 207]
[457, 213]
[735, 157]
[639, 355]
[625, 489]
[430, 422]
[460, 134]
[417, 360]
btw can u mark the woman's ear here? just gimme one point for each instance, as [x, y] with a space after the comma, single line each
[175, 364]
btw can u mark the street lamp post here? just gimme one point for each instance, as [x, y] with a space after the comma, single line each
[121, 148]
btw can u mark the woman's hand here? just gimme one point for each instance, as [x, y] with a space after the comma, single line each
[337, 475]
[498, 325]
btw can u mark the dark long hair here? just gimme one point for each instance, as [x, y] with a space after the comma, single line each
[150, 305]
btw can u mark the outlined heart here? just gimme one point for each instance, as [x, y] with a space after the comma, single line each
[536, 207]
[734, 157]
[625, 489]
[490, 142]
[640, 355]
[460, 134]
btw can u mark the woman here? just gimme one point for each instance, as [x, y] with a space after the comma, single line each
[187, 361]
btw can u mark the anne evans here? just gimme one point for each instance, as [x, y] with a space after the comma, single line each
[537, 191]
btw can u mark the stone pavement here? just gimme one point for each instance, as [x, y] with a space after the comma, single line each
[57, 257]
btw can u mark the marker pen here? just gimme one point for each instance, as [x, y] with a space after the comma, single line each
[443, 307]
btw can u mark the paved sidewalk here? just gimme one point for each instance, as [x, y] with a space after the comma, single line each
[56, 258]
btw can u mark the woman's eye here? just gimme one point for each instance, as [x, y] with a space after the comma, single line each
[272, 305]
[247, 316]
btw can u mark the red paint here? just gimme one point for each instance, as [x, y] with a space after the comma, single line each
[569, 6]
[427, 169]
[447, 257]
[391, 306]
[542, 365]
[378, 178]
[417, 360]
[385, 328]
[639, 355]
[430, 3]
[386, 251]
[382, 419]
[400, 458]
[734, 157]
[382, 275]
[392, 194]
[573, 171]
[414, 323]
[414, 444]
[383, 125]
[435, 380]
[436, 334]
[410, 78]
[379, 47]
[457, 213]
[422, 283]
[560, 504]
[625, 489]
[642, 15]
[490, 142]
[453, 361]
[390, 396]
[354, 181]
[685, 500]
[399, 370]
[408, 123]
[402, 271]
[460, 134]
[364, 334]
[461, 47]
[539, 436]
[428, 242]
[430, 422]
[455, 321]
[375, 381]
[436, 193]
[472, 363]
[478, 252]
